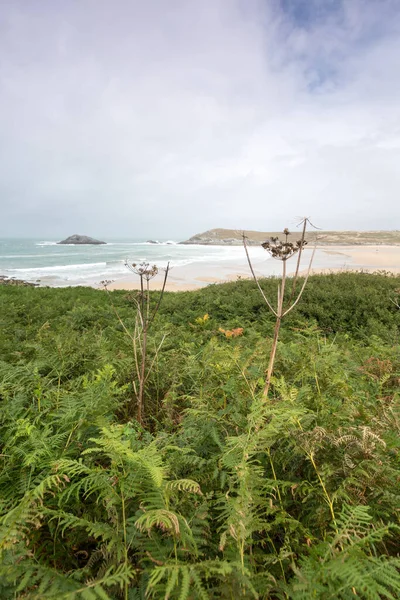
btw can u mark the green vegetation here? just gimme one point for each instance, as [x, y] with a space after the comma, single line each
[219, 494]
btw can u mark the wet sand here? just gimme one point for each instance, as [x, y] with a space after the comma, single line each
[327, 259]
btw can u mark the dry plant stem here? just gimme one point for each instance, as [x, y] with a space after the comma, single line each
[144, 314]
[143, 321]
[141, 295]
[161, 294]
[135, 350]
[255, 277]
[133, 338]
[146, 320]
[149, 370]
[282, 251]
[296, 274]
[395, 302]
[279, 314]
[291, 307]
[147, 300]
[310, 455]
[279, 317]
[140, 412]
[145, 308]
[117, 315]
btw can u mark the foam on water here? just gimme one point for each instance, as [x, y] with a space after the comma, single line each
[60, 265]
[86, 266]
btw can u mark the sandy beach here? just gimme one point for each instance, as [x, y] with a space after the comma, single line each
[327, 259]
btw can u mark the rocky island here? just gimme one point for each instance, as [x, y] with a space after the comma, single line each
[80, 239]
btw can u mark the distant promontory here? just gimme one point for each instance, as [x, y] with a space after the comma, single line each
[80, 239]
[234, 237]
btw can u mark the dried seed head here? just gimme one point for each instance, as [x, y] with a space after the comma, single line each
[282, 250]
[106, 282]
[144, 270]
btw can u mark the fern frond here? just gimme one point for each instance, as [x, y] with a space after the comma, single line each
[183, 485]
[162, 518]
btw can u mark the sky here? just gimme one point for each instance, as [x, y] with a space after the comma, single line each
[163, 119]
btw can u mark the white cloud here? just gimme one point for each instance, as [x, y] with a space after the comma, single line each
[163, 119]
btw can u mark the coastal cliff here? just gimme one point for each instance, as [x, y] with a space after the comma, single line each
[233, 237]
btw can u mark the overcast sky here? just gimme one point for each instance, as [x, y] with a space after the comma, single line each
[165, 118]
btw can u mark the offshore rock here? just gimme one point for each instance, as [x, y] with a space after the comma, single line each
[80, 239]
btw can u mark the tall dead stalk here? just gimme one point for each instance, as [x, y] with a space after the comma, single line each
[145, 316]
[396, 300]
[282, 250]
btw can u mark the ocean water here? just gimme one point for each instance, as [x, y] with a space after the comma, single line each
[48, 263]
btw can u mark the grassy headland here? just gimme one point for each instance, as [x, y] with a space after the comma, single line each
[219, 495]
[333, 238]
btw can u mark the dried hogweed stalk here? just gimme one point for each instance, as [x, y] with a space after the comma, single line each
[281, 250]
[145, 316]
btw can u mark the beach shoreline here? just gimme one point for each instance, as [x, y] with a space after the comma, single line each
[328, 259]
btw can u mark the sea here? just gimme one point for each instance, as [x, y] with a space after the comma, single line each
[47, 263]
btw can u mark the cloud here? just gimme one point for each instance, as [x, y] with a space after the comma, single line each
[155, 119]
